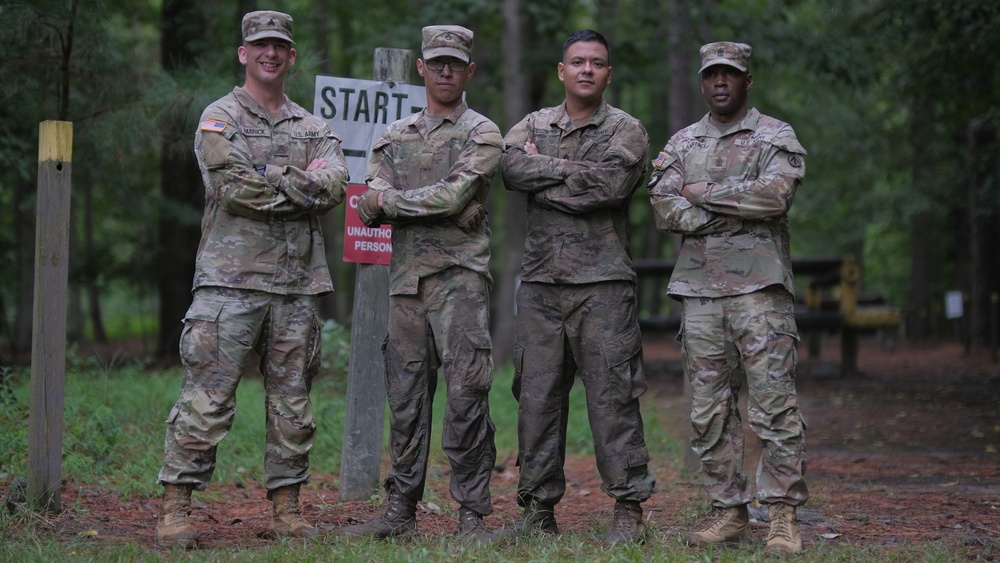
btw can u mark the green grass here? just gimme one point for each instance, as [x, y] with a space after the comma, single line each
[114, 424]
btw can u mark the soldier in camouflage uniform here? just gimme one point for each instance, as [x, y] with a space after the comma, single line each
[726, 183]
[579, 164]
[270, 171]
[429, 176]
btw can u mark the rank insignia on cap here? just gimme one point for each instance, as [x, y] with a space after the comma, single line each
[213, 126]
[660, 158]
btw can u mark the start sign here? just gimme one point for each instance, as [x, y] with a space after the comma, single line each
[358, 111]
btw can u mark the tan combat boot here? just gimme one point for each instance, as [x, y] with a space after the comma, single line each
[627, 526]
[173, 526]
[398, 518]
[287, 519]
[729, 525]
[472, 526]
[785, 536]
[538, 517]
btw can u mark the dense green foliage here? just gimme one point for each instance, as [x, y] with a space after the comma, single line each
[883, 93]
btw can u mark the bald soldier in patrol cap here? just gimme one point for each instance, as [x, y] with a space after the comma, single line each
[270, 170]
[726, 184]
[429, 176]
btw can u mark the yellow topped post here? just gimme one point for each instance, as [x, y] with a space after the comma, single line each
[48, 337]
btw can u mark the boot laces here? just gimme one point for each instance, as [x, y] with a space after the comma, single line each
[292, 502]
[781, 525]
[621, 520]
[471, 520]
[395, 506]
[722, 519]
[182, 504]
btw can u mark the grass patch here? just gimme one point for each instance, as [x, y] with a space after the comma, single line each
[114, 424]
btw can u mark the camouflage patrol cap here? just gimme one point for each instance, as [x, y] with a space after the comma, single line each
[736, 55]
[258, 25]
[447, 41]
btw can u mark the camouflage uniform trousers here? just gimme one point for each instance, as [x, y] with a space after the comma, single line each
[755, 332]
[591, 330]
[223, 329]
[445, 325]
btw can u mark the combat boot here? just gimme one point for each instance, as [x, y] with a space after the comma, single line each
[173, 526]
[287, 519]
[398, 518]
[729, 525]
[626, 526]
[538, 517]
[785, 536]
[472, 526]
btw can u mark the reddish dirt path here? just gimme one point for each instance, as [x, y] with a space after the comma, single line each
[904, 453]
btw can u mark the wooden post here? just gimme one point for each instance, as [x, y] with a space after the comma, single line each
[364, 416]
[48, 340]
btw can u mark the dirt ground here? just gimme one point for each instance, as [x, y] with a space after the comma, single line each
[905, 452]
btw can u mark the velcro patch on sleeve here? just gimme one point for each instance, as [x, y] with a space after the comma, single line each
[213, 126]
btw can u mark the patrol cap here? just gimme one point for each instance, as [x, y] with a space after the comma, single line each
[447, 41]
[265, 23]
[736, 55]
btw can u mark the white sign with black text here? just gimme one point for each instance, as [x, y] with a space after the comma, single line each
[358, 111]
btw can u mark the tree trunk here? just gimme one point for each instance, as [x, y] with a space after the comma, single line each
[91, 262]
[922, 232]
[74, 290]
[338, 62]
[328, 306]
[182, 24]
[516, 106]
[24, 236]
[983, 226]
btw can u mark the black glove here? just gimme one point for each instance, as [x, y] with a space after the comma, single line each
[471, 217]
[368, 208]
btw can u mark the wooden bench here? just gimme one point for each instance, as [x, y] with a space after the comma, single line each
[832, 303]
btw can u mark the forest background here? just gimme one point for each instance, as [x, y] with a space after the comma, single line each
[895, 100]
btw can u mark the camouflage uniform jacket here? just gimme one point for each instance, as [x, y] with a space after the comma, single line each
[579, 188]
[729, 196]
[428, 176]
[261, 231]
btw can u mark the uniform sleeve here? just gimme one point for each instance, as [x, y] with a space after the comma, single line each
[769, 195]
[672, 211]
[477, 163]
[230, 178]
[531, 173]
[610, 180]
[316, 191]
[381, 172]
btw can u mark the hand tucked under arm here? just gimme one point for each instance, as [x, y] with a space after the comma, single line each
[674, 213]
[323, 183]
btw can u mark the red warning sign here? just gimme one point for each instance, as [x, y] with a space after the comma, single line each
[363, 244]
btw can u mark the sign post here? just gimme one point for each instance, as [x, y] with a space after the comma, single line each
[48, 341]
[358, 111]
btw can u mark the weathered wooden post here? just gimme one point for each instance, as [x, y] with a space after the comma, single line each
[364, 416]
[48, 341]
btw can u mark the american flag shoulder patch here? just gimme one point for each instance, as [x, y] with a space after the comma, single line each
[660, 158]
[213, 126]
